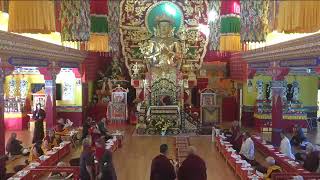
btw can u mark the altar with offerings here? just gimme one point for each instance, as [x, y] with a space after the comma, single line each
[162, 62]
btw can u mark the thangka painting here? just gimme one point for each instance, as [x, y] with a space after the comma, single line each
[210, 112]
[117, 110]
[138, 24]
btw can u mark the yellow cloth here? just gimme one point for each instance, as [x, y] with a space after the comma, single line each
[299, 16]
[98, 43]
[35, 16]
[230, 43]
[271, 170]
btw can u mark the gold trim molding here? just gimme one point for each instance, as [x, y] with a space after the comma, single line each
[300, 48]
[17, 45]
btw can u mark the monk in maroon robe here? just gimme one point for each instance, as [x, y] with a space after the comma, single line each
[236, 137]
[311, 160]
[161, 167]
[193, 167]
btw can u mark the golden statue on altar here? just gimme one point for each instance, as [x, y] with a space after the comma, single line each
[163, 49]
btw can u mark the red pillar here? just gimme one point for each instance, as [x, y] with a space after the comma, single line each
[50, 75]
[277, 89]
[4, 71]
[2, 128]
[278, 74]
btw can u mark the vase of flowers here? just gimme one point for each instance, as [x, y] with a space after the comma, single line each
[162, 125]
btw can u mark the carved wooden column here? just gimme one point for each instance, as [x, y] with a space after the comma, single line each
[278, 75]
[50, 75]
[4, 71]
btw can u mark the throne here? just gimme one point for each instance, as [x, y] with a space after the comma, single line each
[163, 94]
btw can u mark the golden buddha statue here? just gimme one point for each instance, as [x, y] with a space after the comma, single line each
[163, 49]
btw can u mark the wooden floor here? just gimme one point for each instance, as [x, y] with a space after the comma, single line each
[133, 160]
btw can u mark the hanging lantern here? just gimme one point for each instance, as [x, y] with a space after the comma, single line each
[32, 17]
[99, 40]
[230, 26]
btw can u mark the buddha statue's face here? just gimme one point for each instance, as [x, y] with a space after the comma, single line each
[164, 29]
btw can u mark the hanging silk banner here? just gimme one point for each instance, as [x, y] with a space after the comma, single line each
[32, 17]
[4, 6]
[75, 20]
[99, 40]
[214, 24]
[114, 28]
[298, 16]
[254, 20]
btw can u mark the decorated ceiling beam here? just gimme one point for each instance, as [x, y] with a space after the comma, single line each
[32, 16]
[24, 47]
[99, 39]
[75, 20]
[302, 48]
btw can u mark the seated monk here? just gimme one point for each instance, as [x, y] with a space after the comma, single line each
[193, 167]
[60, 175]
[272, 168]
[311, 159]
[236, 137]
[298, 136]
[50, 141]
[247, 148]
[61, 128]
[14, 146]
[36, 151]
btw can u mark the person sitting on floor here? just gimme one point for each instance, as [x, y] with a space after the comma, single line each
[14, 146]
[236, 137]
[247, 148]
[60, 175]
[63, 126]
[193, 167]
[298, 136]
[272, 168]
[311, 158]
[285, 146]
[36, 151]
[50, 141]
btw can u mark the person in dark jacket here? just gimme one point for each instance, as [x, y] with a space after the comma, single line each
[38, 115]
[14, 146]
[108, 171]
[161, 167]
[298, 136]
[193, 167]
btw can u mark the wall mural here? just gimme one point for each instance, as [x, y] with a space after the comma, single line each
[137, 24]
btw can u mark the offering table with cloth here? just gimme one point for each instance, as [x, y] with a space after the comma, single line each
[241, 167]
[286, 163]
[50, 159]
